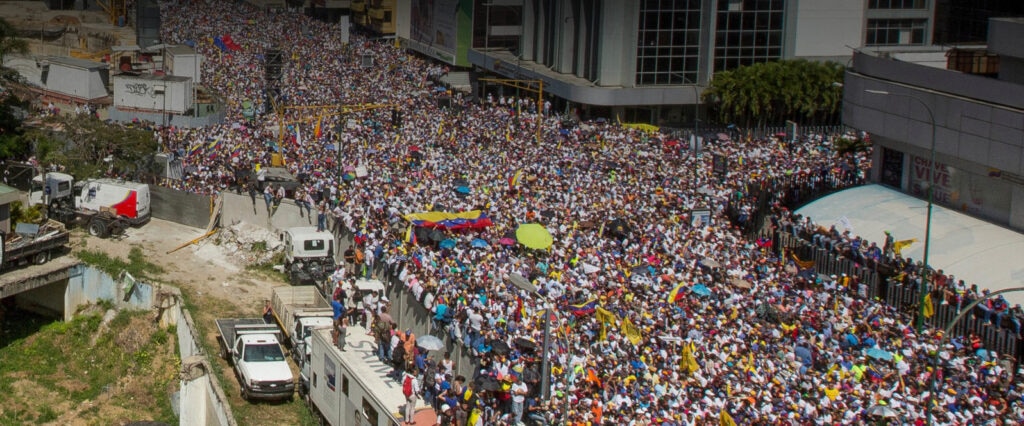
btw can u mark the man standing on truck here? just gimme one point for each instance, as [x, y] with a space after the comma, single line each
[350, 259]
[268, 312]
[411, 390]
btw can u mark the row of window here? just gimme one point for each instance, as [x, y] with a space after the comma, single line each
[889, 32]
[897, 4]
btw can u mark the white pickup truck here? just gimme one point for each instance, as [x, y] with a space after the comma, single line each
[253, 349]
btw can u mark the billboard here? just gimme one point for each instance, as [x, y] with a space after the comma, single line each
[442, 28]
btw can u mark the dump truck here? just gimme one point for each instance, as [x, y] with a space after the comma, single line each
[308, 255]
[253, 348]
[299, 311]
[31, 243]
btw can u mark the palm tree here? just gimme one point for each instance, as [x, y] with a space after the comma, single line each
[9, 41]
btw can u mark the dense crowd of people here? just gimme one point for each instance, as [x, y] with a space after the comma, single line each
[662, 318]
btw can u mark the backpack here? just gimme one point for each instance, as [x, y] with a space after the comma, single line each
[407, 386]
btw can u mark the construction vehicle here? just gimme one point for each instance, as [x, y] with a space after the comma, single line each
[308, 255]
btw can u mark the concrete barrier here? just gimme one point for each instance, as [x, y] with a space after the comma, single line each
[240, 208]
[202, 400]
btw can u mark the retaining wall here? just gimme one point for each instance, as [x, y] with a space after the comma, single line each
[180, 206]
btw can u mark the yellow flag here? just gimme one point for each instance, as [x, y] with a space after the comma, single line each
[688, 362]
[929, 307]
[898, 246]
[604, 331]
[605, 316]
[631, 331]
[724, 419]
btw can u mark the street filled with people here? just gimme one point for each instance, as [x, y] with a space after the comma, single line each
[661, 310]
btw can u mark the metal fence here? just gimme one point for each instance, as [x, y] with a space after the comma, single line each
[793, 192]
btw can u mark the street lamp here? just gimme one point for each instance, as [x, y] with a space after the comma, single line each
[933, 384]
[922, 289]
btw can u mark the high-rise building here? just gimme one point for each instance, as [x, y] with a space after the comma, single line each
[648, 60]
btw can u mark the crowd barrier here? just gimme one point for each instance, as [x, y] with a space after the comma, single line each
[794, 192]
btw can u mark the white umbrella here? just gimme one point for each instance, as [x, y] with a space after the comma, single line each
[430, 343]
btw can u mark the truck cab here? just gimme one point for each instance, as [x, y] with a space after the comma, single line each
[309, 255]
[262, 369]
[104, 206]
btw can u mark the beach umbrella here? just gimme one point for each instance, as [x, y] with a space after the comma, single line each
[740, 283]
[348, 177]
[590, 269]
[882, 411]
[447, 243]
[430, 343]
[520, 281]
[526, 344]
[534, 235]
[462, 189]
[879, 354]
[499, 347]
[479, 243]
[507, 241]
[488, 383]
[701, 290]
[436, 235]
[711, 263]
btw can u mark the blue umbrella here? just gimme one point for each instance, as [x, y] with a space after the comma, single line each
[479, 243]
[447, 244]
[701, 290]
[462, 190]
[879, 354]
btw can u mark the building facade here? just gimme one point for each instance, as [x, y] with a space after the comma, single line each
[973, 125]
[649, 60]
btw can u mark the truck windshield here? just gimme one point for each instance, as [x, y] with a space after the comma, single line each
[263, 353]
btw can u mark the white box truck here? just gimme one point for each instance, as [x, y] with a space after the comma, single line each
[104, 206]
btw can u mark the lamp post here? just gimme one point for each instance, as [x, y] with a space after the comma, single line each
[925, 275]
[933, 384]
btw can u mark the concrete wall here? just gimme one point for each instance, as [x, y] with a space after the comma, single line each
[180, 206]
[127, 115]
[825, 27]
[979, 139]
[202, 400]
[239, 208]
[88, 285]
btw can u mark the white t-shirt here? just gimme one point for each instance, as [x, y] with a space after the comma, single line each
[518, 387]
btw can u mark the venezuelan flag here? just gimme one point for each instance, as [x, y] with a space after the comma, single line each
[514, 180]
[214, 144]
[474, 219]
[410, 236]
[195, 149]
[582, 309]
[676, 293]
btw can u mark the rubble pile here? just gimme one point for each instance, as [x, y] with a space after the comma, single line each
[249, 244]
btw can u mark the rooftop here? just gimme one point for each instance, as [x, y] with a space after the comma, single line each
[76, 63]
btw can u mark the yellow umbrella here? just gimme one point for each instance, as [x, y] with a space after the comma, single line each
[534, 235]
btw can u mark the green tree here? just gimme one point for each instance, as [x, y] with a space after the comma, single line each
[768, 94]
[89, 147]
[9, 41]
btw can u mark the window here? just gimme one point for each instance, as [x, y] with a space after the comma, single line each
[890, 32]
[748, 32]
[344, 384]
[897, 4]
[313, 245]
[668, 42]
[370, 413]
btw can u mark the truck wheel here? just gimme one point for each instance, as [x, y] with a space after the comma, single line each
[116, 228]
[242, 392]
[98, 229]
[41, 257]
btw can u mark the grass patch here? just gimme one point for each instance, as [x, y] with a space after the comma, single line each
[46, 376]
[136, 264]
[267, 270]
